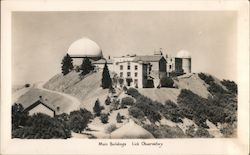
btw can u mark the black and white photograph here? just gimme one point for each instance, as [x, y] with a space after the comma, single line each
[124, 75]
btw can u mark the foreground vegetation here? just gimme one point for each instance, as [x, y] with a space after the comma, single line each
[219, 108]
[41, 126]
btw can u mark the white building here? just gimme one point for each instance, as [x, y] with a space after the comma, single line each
[132, 70]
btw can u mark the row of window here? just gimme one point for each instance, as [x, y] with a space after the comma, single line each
[128, 74]
[128, 67]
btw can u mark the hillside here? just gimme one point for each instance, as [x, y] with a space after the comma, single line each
[162, 120]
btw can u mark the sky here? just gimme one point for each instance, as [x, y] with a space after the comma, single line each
[41, 39]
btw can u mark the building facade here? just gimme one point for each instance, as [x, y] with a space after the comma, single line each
[140, 71]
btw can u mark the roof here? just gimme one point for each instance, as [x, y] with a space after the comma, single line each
[103, 61]
[36, 104]
[84, 47]
[148, 58]
[183, 54]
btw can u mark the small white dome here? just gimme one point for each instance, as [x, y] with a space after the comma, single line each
[84, 47]
[131, 131]
[183, 54]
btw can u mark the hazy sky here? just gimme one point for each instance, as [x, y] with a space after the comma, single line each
[41, 39]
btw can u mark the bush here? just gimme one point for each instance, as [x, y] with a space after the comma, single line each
[202, 133]
[165, 131]
[172, 111]
[166, 82]
[97, 108]
[133, 92]
[108, 100]
[229, 131]
[42, 126]
[18, 116]
[208, 79]
[231, 86]
[216, 89]
[127, 101]
[27, 85]
[104, 118]
[78, 120]
[149, 108]
[111, 128]
[136, 112]
[115, 104]
[118, 118]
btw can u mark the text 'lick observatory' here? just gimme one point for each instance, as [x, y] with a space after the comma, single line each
[134, 70]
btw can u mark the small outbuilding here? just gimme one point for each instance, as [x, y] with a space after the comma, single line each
[40, 107]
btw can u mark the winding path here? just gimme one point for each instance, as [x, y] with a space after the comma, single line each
[75, 102]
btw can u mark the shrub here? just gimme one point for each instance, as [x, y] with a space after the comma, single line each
[229, 130]
[208, 79]
[111, 128]
[104, 118]
[97, 108]
[165, 131]
[230, 85]
[172, 111]
[18, 116]
[78, 120]
[216, 89]
[149, 108]
[42, 126]
[127, 101]
[108, 100]
[202, 133]
[136, 112]
[115, 104]
[27, 85]
[133, 92]
[190, 132]
[119, 118]
[166, 82]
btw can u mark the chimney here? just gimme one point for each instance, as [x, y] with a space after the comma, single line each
[40, 98]
[58, 109]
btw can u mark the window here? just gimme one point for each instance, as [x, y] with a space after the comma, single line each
[128, 74]
[128, 65]
[136, 74]
[121, 67]
[170, 66]
[121, 74]
[136, 67]
[136, 81]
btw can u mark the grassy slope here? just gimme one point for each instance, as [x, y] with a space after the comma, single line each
[53, 99]
[86, 90]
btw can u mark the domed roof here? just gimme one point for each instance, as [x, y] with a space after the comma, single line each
[131, 131]
[183, 54]
[84, 47]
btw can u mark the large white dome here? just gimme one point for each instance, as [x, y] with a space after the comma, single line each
[84, 47]
[183, 54]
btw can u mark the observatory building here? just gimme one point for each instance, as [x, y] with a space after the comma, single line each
[138, 71]
[84, 48]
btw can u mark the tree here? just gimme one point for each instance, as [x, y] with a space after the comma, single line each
[79, 120]
[41, 126]
[166, 81]
[86, 67]
[106, 80]
[97, 108]
[108, 100]
[119, 118]
[67, 64]
[104, 118]
[18, 116]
